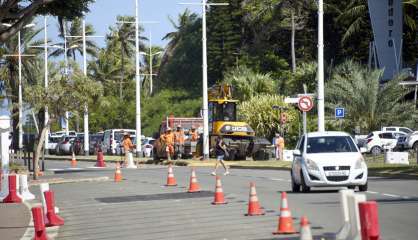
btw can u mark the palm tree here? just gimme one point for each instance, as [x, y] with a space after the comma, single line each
[368, 104]
[185, 22]
[30, 65]
[122, 38]
[75, 44]
[356, 14]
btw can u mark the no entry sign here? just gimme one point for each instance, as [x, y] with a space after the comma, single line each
[305, 103]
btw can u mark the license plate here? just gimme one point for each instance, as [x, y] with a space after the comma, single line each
[336, 173]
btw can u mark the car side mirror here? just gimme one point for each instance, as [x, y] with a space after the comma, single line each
[297, 152]
[363, 150]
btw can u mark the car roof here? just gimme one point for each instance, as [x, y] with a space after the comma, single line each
[327, 133]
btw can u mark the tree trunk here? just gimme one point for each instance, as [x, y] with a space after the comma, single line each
[292, 43]
[38, 149]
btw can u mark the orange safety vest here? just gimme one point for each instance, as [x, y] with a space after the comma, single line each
[179, 137]
[127, 144]
[280, 142]
[195, 136]
[169, 138]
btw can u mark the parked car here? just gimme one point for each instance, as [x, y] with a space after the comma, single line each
[62, 134]
[111, 138]
[78, 145]
[52, 143]
[147, 146]
[95, 143]
[64, 146]
[326, 159]
[377, 141]
[397, 129]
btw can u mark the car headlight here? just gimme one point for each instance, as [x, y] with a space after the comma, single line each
[359, 163]
[311, 165]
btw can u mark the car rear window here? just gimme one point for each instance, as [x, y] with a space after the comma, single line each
[330, 144]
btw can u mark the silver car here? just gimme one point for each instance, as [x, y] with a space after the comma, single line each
[64, 145]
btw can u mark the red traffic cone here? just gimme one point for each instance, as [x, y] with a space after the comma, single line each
[100, 159]
[219, 194]
[305, 229]
[53, 218]
[254, 208]
[171, 181]
[73, 161]
[285, 225]
[118, 173]
[194, 185]
[12, 197]
[39, 224]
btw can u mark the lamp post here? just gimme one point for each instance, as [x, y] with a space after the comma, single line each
[151, 55]
[137, 80]
[20, 99]
[321, 103]
[205, 107]
[86, 110]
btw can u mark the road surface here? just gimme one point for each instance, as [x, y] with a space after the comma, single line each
[140, 207]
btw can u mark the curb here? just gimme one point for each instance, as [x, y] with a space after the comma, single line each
[62, 180]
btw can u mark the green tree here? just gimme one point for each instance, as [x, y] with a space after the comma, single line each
[21, 12]
[368, 104]
[75, 44]
[56, 98]
[265, 121]
[122, 39]
[247, 83]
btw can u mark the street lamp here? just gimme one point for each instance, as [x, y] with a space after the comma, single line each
[150, 55]
[20, 100]
[205, 107]
[321, 103]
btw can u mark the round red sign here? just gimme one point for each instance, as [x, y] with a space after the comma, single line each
[305, 103]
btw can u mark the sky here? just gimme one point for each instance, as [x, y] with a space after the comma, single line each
[103, 14]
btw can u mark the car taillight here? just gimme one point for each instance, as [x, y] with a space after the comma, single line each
[369, 140]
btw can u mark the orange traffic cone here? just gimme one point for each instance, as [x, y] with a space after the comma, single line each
[219, 193]
[285, 225]
[171, 181]
[73, 161]
[253, 204]
[194, 185]
[305, 229]
[118, 173]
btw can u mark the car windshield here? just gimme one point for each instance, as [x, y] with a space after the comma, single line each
[330, 144]
[95, 138]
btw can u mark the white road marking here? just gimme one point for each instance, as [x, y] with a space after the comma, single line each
[391, 195]
[372, 192]
[277, 179]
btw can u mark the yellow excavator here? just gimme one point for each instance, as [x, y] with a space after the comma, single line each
[238, 136]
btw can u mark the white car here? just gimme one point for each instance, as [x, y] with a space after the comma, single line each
[398, 129]
[377, 141]
[328, 159]
[411, 141]
[147, 146]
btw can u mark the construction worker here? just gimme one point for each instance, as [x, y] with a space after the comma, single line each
[194, 137]
[127, 147]
[279, 145]
[168, 139]
[179, 141]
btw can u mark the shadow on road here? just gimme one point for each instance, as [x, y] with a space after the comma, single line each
[153, 197]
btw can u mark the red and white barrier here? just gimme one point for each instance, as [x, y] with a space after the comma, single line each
[369, 220]
[343, 233]
[43, 188]
[24, 188]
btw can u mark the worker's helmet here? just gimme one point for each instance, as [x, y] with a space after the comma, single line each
[168, 129]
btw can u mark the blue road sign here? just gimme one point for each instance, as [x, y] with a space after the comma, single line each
[339, 112]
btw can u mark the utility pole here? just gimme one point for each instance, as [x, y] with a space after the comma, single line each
[204, 4]
[86, 109]
[321, 103]
[151, 55]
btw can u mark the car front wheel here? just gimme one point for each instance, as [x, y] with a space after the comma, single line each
[363, 188]
[376, 150]
[305, 188]
[295, 186]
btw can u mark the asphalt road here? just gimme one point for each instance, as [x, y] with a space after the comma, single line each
[140, 207]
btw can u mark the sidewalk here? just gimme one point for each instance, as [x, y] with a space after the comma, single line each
[14, 220]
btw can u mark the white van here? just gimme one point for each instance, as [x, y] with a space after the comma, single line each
[112, 137]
